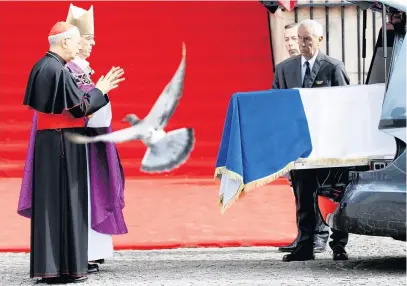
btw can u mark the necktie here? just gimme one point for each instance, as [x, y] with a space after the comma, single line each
[307, 76]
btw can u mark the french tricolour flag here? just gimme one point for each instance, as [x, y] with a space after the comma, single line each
[268, 133]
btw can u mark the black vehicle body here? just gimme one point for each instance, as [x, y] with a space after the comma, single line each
[373, 202]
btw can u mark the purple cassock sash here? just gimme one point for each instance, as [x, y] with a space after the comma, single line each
[106, 177]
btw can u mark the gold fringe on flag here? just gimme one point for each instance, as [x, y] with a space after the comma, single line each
[327, 162]
[244, 188]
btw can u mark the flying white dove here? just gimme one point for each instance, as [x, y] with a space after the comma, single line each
[165, 151]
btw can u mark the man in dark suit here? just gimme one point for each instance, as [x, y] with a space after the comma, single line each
[309, 70]
[321, 229]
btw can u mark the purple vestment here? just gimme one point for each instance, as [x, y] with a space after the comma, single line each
[105, 171]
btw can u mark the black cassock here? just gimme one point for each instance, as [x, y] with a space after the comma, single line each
[59, 219]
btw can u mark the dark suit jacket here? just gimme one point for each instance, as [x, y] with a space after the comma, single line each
[326, 71]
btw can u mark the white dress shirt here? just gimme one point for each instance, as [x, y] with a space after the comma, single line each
[304, 66]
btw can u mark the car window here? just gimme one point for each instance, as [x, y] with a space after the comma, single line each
[394, 105]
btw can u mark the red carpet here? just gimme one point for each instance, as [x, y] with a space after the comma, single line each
[228, 50]
[226, 54]
[177, 213]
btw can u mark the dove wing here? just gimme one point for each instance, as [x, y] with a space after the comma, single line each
[167, 102]
[123, 135]
[120, 136]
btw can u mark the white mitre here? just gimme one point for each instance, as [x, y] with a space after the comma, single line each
[82, 19]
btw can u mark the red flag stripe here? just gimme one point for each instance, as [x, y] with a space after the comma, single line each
[288, 4]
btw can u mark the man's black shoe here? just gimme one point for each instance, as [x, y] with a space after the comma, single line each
[93, 268]
[319, 246]
[301, 253]
[340, 256]
[63, 280]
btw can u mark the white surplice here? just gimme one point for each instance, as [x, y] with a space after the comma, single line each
[100, 245]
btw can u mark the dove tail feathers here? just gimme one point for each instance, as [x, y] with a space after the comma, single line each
[77, 138]
[170, 152]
